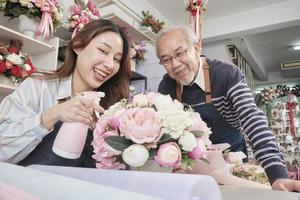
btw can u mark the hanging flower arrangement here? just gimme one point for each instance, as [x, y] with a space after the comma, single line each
[48, 12]
[81, 14]
[193, 5]
[138, 51]
[150, 21]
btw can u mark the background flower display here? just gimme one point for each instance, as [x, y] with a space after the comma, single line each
[268, 95]
[13, 63]
[138, 51]
[81, 14]
[48, 12]
[150, 21]
[151, 127]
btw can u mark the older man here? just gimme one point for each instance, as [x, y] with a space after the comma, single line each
[218, 91]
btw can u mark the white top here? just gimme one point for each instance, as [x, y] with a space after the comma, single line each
[20, 116]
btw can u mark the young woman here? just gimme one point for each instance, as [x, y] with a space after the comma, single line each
[96, 59]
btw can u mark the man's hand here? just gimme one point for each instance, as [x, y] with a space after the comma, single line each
[286, 185]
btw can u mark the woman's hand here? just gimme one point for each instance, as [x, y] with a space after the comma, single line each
[77, 109]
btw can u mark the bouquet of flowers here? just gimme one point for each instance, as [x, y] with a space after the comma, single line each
[137, 51]
[150, 21]
[13, 63]
[81, 14]
[150, 127]
[48, 12]
[251, 172]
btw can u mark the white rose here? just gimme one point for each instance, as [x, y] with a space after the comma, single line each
[113, 109]
[188, 141]
[1, 57]
[24, 2]
[27, 67]
[140, 100]
[135, 155]
[14, 59]
[162, 102]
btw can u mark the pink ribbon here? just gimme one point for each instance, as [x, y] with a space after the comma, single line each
[46, 25]
[291, 106]
[74, 32]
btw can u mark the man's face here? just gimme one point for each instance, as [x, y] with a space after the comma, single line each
[179, 58]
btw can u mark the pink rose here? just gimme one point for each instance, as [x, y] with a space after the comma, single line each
[199, 151]
[114, 120]
[141, 125]
[91, 6]
[76, 9]
[199, 125]
[101, 148]
[110, 163]
[168, 155]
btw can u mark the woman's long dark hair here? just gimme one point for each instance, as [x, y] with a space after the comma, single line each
[117, 87]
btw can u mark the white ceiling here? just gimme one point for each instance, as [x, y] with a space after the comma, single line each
[270, 43]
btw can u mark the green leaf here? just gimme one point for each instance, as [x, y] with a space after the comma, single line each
[117, 142]
[165, 138]
[152, 153]
[198, 133]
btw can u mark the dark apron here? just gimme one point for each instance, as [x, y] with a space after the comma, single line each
[222, 131]
[43, 154]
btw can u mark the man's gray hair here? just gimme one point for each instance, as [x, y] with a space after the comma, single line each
[189, 34]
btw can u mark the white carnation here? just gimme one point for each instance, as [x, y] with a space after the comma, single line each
[174, 121]
[135, 155]
[1, 57]
[14, 59]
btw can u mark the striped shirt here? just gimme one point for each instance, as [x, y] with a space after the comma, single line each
[234, 101]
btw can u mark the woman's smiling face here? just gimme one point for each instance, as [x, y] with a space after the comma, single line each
[98, 61]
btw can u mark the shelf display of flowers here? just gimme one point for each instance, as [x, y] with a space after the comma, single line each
[138, 51]
[150, 21]
[14, 64]
[268, 95]
[47, 12]
[149, 128]
[81, 14]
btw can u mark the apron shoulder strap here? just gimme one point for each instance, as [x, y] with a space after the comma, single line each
[208, 97]
[207, 82]
[178, 92]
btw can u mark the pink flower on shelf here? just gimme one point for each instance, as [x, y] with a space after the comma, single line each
[168, 155]
[76, 9]
[141, 125]
[81, 14]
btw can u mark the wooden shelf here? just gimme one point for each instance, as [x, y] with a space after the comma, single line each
[126, 18]
[6, 89]
[30, 45]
